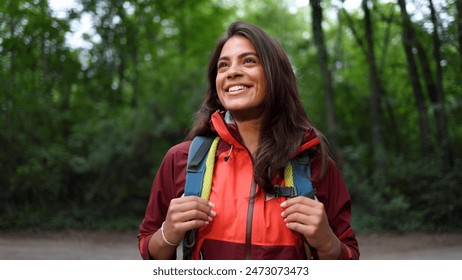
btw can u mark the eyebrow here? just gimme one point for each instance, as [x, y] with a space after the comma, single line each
[240, 56]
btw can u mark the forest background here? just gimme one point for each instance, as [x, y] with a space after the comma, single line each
[85, 126]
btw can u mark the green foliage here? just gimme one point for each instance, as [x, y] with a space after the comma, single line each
[419, 195]
[85, 129]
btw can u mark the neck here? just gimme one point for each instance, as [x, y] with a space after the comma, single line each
[250, 133]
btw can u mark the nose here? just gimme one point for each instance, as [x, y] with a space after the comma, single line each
[234, 71]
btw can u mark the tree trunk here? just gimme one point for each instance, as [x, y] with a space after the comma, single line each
[459, 29]
[439, 105]
[318, 33]
[408, 39]
[121, 51]
[376, 95]
[375, 80]
[136, 72]
[43, 54]
[10, 84]
[389, 20]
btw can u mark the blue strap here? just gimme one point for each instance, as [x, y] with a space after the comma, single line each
[196, 165]
[302, 176]
[195, 171]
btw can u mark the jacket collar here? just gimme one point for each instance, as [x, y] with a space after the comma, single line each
[224, 125]
[226, 128]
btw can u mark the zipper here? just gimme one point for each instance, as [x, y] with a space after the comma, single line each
[248, 226]
[253, 187]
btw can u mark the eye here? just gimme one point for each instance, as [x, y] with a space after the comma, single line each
[250, 60]
[222, 64]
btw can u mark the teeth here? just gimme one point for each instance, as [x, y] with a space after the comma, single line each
[236, 88]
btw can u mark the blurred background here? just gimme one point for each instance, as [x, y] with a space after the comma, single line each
[94, 92]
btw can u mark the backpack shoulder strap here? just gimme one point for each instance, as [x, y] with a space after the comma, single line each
[201, 158]
[302, 176]
[196, 165]
[201, 162]
[302, 180]
[297, 177]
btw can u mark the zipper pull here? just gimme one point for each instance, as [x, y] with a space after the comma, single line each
[229, 154]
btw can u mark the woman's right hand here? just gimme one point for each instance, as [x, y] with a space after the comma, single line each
[186, 213]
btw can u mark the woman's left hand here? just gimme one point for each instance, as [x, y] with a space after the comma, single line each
[308, 217]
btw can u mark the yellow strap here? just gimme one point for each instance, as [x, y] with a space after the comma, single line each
[209, 165]
[289, 175]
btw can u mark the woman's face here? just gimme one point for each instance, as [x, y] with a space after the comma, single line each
[240, 79]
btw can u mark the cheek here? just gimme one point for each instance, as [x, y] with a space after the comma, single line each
[219, 86]
[263, 88]
[220, 97]
[262, 91]
[218, 83]
[219, 94]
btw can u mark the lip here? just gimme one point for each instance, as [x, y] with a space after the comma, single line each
[238, 84]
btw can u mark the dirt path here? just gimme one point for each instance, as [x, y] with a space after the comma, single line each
[69, 245]
[411, 246]
[79, 245]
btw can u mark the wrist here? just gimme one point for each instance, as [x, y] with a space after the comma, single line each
[331, 250]
[165, 239]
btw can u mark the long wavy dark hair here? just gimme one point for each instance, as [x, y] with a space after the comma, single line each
[284, 121]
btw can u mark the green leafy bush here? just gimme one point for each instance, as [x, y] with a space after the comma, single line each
[420, 195]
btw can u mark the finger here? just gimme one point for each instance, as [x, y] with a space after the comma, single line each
[298, 218]
[189, 215]
[301, 208]
[193, 224]
[305, 230]
[183, 205]
[192, 205]
[299, 199]
[297, 208]
[185, 199]
[179, 228]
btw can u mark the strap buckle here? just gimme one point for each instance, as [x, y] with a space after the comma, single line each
[284, 191]
[289, 191]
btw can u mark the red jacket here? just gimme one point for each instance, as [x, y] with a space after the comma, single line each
[245, 228]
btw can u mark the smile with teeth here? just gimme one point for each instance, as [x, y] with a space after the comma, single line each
[237, 88]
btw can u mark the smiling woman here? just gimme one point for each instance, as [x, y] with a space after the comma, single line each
[265, 149]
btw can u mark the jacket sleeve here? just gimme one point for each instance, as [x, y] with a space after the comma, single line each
[168, 184]
[333, 193]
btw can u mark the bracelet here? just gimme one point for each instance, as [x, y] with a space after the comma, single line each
[165, 239]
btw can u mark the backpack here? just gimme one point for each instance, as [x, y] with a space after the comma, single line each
[199, 173]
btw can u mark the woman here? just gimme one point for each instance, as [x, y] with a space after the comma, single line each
[253, 105]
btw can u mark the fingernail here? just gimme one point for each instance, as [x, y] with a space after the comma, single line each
[213, 213]
[211, 204]
[283, 204]
[283, 214]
